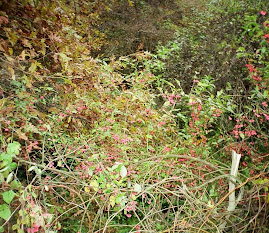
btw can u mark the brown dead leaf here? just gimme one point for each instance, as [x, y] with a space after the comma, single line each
[3, 19]
[53, 110]
[21, 135]
[78, 213]
[26, 43]
[22, 55]
[55, 38]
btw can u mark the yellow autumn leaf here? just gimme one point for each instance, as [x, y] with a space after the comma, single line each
[2, 102]
[94, 184]
[112, 201]
[10, 50]
[12, 72]
[131, 3]
[69, 119]
[33, 67]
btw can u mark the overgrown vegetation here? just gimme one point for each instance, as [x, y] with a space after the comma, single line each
[141, 141]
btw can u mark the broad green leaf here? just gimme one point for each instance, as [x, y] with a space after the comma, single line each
[263, 50]
[137, 188]
[13, 148]
[8, 196]
[101, 178]
[13, 166]
[15, 184]
[5, 212]
[6, 157]
[123, 171]
[121, 198]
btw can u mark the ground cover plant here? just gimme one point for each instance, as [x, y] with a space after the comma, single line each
[141, 142]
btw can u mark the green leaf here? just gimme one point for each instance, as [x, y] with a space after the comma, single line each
[13, 166]
[137, 188]
[15, 184]
[211, 192]
[5, 212]
[101, 178]
[5, 157]
[8, 196]
[263, 50]
[13, 148]
[123, 171]
[120, 199]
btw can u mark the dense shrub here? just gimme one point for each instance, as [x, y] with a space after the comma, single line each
[208, 46]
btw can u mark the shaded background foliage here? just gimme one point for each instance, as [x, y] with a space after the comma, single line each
[138, 26]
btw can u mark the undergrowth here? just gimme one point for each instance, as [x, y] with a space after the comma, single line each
[139, 143]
